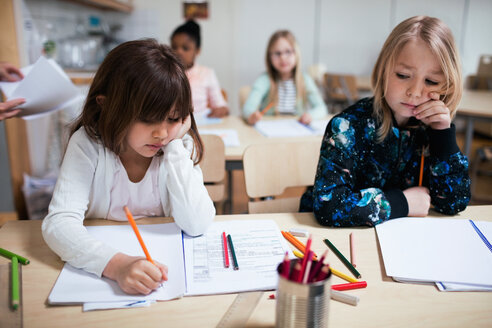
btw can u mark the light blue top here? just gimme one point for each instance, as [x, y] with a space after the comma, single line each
[258, 98]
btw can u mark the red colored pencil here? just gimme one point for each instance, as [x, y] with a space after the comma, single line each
[286, 266]
[226, 251]
[351, 285]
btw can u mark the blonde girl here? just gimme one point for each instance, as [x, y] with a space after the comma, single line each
[284, 88]
[395, 154]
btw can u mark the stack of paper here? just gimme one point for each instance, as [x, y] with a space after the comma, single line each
[454, 254]
[196, 265]
[45, 87]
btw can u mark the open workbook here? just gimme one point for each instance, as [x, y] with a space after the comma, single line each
[196, 265]
[455, 254]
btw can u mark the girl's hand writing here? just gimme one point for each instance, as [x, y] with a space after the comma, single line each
[418, 200]
[434, 113]
[305, 119]
[255, 117]
[134, 274]
[184, 127]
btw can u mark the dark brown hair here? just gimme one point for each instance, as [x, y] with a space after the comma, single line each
[142, 81]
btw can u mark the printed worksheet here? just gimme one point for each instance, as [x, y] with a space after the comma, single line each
[259, 248]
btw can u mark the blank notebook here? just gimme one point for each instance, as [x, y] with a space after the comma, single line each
[196, 264]
[437, 250]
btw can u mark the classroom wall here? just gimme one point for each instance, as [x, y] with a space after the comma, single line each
[345, 36]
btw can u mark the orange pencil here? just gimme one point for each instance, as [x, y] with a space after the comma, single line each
[294, 241]
[266, 109]
[139, 237]
[421, 168]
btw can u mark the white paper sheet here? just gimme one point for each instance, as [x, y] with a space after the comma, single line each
[45, 87]
[259, 247]
[436, 250]
[229, 136]
[283, 128]
[164, 243]
[203, 119]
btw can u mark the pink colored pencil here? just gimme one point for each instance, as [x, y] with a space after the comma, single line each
[352, 249]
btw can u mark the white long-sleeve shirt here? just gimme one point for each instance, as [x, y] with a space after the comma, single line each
[83, 191]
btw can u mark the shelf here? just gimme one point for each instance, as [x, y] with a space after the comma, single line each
[123, 6]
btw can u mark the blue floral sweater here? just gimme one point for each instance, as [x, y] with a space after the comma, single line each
[360, 181]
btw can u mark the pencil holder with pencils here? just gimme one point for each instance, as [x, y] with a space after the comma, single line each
[303, 295]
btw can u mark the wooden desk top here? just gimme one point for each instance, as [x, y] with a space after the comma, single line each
[248, 135]
[476, 103]
[383, 303]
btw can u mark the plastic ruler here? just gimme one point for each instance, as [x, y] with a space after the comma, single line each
[240, 310]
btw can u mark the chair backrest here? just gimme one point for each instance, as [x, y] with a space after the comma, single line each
[271, 168]
[213, 166]
[243, 95]
[341, 88]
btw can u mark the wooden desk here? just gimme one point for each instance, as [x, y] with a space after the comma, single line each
[474, 105]
[384, 303]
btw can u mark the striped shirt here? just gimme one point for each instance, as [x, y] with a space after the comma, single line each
[287, 97]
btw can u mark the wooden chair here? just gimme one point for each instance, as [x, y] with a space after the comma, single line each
[271, 168]
[243, 95]
[340, 91]
[213, 168]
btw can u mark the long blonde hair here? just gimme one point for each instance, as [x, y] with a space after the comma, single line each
[440, 41]
[274, 75]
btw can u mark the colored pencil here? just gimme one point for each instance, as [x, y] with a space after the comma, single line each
[296, 271]
[294, 241]
[137, 233]
[323, 273]
[345, 298]
[266, 109]
[351, 285]
[298, 254]
[352, 249]
[233, 252]
[342, 258]
[15, 283]
[317, 267]
[343, 275]
[286, 266]
[421, 175]
[226, 251]
[306, 258]
[307, 269]
[10, 255]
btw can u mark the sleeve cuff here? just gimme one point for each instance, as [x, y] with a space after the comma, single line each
[443, 142]
[398, 203]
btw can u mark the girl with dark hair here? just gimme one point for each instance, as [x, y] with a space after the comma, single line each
[135, 144]
[206, 92]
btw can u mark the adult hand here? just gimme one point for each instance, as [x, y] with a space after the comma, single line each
[434, 113]
[184, 127]
[418, 200]
[219, 112]
[255, 117]
[10, 73]
[134, 274]
[7, 108]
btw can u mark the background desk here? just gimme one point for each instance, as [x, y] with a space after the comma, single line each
[248, 135]
[384, 303]
[475, 105]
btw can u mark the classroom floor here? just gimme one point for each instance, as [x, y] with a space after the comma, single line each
[482, 193]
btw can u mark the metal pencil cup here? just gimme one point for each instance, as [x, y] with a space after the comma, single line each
[302, 305]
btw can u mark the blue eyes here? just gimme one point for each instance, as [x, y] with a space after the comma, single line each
[427, 81]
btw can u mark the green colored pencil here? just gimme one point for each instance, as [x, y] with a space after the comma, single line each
[233, 252]
[15, 283]
[11, 255]
[342, 258]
